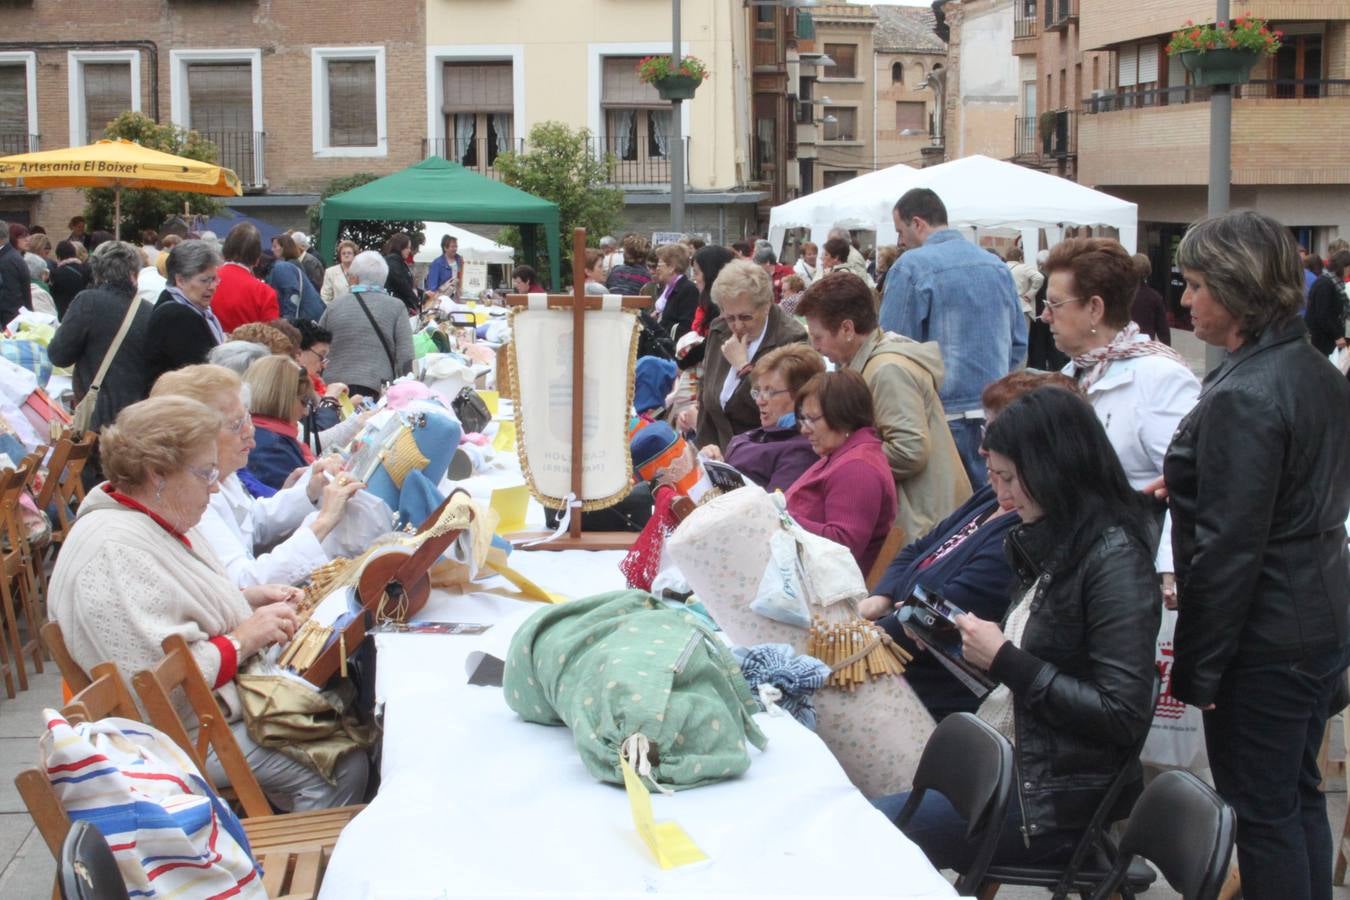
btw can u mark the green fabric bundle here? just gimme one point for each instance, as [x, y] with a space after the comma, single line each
[626, 673]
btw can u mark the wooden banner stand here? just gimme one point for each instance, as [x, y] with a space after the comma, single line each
[579, 303]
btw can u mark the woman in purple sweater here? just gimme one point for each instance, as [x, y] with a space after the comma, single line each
[775, 454]
[848, 495]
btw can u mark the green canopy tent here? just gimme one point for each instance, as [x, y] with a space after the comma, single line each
[443, 191]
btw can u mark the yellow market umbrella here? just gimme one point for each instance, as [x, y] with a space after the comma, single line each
[118, 164]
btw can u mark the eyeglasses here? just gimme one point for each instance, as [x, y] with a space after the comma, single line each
[745, 318]
[208, 476]
[1052, 306]
[236, 426]
[810, 420]
[758, 394]
[321, 357]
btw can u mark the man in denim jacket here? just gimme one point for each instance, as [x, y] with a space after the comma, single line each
[946, 289]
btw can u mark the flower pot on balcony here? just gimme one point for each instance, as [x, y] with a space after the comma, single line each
[677, 87]
[1220, 66]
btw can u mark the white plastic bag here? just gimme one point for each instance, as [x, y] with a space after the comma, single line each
[1176, 738]
[1340, 358]
[781, 595]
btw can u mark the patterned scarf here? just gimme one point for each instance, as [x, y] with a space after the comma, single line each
[1089, 367]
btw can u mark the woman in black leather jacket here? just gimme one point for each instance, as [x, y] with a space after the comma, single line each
[1259, 482]
[1074, 657]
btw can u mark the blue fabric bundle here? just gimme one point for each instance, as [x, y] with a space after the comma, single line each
[796, 676]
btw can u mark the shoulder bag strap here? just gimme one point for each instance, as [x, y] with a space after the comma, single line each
[384, 341]
[90, 398]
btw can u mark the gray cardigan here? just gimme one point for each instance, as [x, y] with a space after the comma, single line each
[83, 337]
[356, 355]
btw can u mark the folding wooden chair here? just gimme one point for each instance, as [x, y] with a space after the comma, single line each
[18, 585]
[895, 540]
[63, 488]
[289, 845]
[76, 678]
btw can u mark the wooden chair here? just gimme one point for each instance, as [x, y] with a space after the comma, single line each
[63, 487]
[106, 695]
[294, 845]
[18, 585]
[895, 540]
[76, 678]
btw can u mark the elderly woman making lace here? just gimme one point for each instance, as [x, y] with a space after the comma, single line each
[236, 525]
[135, 570]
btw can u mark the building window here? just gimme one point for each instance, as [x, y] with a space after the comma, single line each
[911, 117]
[765, 166]
[479, 111]
[218, 93]
[1298, 67]
[638, 122]
[837, 176]
[897, 73]
[348, 100]
[845, 58]
[18, 106]
[841, 123]
[103, 85]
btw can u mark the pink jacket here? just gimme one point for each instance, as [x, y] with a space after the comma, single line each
[848, 497]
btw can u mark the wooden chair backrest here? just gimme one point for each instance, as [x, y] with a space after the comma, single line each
[70, 487]
[77, 679]
[56, 464]
[895, 541]
[106, 695]
[178, 670]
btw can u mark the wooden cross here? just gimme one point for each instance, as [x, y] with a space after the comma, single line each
[579, 302]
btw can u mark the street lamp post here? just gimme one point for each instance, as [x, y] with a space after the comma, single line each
[1220, 161]
[676, 130]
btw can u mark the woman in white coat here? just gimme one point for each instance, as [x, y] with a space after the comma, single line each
[1139, 388]
[239, 527]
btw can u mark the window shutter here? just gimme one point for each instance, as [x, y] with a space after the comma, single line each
[910, 114]
[622, 87]
[477, 87]
[1127, 65]
[1148, 63]
[14, 101]
[107, 94]
[352, 107]
[220, 96]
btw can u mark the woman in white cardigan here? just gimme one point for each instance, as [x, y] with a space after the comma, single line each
[135, 570]
[336, 281]
[259, 541]
[1139, 388]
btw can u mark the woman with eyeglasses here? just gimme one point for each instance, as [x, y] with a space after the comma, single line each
[280, 395]
[848, 494]
[184, 328]
[135, 570]
[258, 541]
[775, 454]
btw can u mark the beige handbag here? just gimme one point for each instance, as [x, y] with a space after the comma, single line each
[84, 410]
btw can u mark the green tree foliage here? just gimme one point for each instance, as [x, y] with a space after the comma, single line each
[142, 209]
[559, 166]
[368, 234]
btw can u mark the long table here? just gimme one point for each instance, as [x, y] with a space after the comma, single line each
[475, 802]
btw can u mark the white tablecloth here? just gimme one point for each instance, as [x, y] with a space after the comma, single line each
[478, 803]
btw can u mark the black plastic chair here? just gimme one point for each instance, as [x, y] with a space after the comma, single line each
[88, 868]
[1185, 829]
[971, 764]
[1095, 854]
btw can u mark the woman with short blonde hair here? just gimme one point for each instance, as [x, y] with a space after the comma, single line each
[280, 393]
[678, 301]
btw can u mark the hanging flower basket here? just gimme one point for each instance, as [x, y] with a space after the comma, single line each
[1224, 53]
[672, 82]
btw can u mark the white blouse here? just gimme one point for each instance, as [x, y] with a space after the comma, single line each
[237, 526]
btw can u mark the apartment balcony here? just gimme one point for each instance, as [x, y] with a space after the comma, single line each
[243, 152]
[1161, 137]
[1036, 141]
[1060, 14]
[14, 142]
[632, 161]
[1025, 146]
[1025, 20]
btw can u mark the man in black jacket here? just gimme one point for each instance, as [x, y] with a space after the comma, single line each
[15, 293]
[1326, 305]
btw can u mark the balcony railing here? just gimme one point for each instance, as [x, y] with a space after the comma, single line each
[1024, 138]
[632, 161]
[12, 142]
[1058, 141]
[1024, 18]
[1064, 137]
[1262, 89]
[243, 152]
[1059, 13]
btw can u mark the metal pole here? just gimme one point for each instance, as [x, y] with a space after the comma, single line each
[1220, 162]
[676, 131]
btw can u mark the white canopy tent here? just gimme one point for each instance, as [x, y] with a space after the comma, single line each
[473, 247]
[978, 192]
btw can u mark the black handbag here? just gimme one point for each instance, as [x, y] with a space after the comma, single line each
[472, 412]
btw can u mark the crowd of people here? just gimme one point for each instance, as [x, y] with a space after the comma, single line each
[1055, 469]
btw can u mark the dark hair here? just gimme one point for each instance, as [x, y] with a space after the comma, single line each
[17, 231]
[310, 333]
[593, 257]
[838, 248]
[922, 203]
[1143, 266]
[65, 250]
[1068, 466]
[291, 331]
[243, 244]
[845, 399]
[742, 248]
[634, 250]
[1340, 261]
[839, 296]
[98, 237]
[525, 274]
[36, 229]
[446, 239]
[1250, 264]
[1100, 267]
[289, 249]
[149, 237]
[710, 261]
[75, 220]
[1313, 263]
[396, 244]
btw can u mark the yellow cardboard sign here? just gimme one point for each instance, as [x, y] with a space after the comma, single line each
[670, 844]
[510, 504]
[491, 399]
[345, 404]
[505, 440]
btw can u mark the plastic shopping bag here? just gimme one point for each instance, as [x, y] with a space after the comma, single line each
[1176, 738]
